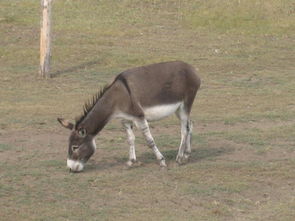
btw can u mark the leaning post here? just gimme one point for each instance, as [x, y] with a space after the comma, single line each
[45, 38]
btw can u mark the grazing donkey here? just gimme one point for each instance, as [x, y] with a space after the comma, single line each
[137, 96]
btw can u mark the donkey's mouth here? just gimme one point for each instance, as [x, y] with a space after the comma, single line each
[75, 165]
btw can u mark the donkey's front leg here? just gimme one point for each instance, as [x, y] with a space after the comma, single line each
[131, 139]
[144, 126]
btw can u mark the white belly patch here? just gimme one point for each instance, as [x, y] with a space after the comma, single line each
[160, 111]
[152, 113]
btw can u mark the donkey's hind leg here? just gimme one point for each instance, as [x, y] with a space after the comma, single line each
[184, 147]
[188, 150]
[131, 140]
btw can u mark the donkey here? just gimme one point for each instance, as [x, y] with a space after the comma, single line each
[137, 96]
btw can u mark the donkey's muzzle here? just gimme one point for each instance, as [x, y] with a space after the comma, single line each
[75, 165]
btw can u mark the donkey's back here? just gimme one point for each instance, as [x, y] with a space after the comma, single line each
[163, 83]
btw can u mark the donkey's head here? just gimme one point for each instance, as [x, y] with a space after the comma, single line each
[81, 146]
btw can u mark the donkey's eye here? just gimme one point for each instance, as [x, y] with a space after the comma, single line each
[75, 147]
[82, 132]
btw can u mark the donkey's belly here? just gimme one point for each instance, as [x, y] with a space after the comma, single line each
[160, 111]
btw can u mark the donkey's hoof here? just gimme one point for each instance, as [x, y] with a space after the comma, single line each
[133, 163]
[129, 163]
[182, 159]
[179, 160]
[163, 163]
[186, 157]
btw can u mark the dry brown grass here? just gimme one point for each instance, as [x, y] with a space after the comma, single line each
[243, 155]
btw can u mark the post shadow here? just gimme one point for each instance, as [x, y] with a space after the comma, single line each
[75, 68]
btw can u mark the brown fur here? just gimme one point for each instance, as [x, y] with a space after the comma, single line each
[137, 88]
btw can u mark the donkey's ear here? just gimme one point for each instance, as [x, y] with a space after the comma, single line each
[65, 123]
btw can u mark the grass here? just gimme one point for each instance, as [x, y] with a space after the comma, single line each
[243, 153]
[4, 147]
[245, 17]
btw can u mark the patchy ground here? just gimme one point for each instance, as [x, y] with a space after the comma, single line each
[242, 165]
[224, 180]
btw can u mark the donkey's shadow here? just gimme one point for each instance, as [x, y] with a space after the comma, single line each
[147, 158]
[195, 156]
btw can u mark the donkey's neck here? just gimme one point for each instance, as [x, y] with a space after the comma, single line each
[99, 116]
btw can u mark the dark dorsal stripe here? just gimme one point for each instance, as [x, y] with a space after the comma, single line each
[124, 81]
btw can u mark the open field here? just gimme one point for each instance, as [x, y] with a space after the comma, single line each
[243, 161]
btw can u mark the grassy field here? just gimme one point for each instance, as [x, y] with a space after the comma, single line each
[243, 161]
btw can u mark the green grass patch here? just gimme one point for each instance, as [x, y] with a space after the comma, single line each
[242, 16]
[241, 166]
[5, 147]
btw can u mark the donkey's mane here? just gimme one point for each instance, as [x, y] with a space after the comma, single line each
[88, 105]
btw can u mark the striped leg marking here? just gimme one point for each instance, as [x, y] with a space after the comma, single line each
[188, 150]
[131, 142]
[184, 147]
[143, 125]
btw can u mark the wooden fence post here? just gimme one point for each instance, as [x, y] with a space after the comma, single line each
[45, 38]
